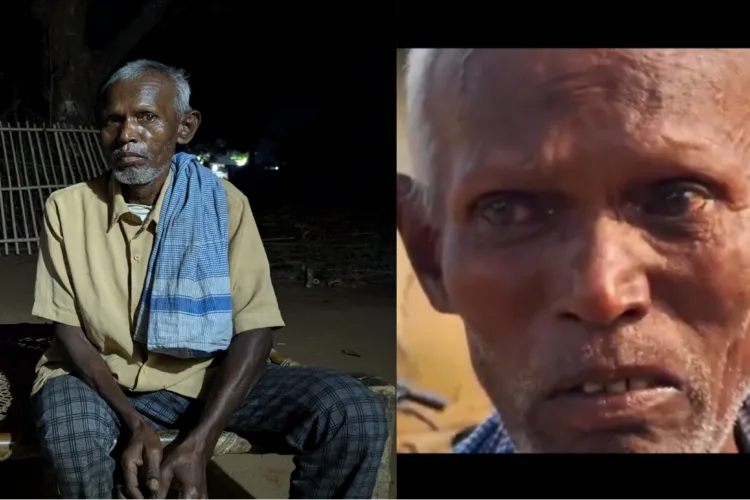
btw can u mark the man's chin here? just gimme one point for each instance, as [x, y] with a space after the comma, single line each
[643, 421]
[623, 441]
[644, 437]
[135, 176]
[679, 430]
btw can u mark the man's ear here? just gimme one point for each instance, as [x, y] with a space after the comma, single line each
[421, 240]
[188, 127]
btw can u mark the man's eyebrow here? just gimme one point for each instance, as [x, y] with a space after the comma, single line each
[500, 158]
[502, 167]
[110, 112]
[146, 106]
[506, 160]
[506, 170]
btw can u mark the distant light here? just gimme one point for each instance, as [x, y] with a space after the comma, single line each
[238, 158]
[216, 166]
[272, 167]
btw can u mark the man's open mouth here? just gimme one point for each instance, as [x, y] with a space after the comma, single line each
[620, 386]
[614, 398]
[610, 382]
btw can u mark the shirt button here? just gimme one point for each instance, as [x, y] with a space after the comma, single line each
[137, 258]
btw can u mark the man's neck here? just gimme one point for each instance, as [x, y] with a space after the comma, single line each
[144, 194]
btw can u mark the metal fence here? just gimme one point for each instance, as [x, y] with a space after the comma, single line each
[35, 161]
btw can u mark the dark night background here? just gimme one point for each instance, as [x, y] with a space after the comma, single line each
[256, 76]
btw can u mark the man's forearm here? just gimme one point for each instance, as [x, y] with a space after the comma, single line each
[86, 362]
[240, 369]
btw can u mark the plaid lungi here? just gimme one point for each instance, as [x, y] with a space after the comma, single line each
[334, 425]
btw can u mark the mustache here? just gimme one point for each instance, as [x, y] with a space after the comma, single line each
[121, 153]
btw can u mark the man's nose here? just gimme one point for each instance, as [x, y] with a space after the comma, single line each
[127, 132]
[606, 280]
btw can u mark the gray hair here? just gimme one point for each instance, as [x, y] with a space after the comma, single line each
[419, 129]
[421, 66]
[135, 69]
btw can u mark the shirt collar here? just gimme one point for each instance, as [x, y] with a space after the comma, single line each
[118, 207]
[491, 437]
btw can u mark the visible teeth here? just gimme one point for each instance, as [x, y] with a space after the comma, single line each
[637, 384]
[618, 387]
[592, 388]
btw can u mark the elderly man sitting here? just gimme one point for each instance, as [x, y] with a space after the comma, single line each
[159, 286]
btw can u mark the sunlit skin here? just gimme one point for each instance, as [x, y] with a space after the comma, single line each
[591, 223]
[139, 120]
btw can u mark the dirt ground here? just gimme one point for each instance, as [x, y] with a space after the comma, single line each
[348, 330]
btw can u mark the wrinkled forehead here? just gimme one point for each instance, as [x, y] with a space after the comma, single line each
[150, 89]
[518, 98]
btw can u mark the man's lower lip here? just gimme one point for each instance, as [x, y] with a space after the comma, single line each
[606, 410]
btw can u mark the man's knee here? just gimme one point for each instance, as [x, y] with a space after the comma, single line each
[359, 411]
[72, 418]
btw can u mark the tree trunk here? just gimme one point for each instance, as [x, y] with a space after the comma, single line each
[68, 58]
[74, 93]
[76, 71]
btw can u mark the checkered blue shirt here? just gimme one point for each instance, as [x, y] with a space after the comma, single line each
[491, 437]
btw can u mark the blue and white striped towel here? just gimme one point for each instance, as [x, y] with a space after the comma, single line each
[186, 305]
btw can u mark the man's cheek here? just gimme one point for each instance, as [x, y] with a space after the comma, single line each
[491, 361]
[504, 371]
[480, 287]
[720, 298]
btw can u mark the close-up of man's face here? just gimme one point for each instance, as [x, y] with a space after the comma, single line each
[140, 128]
[586, 214]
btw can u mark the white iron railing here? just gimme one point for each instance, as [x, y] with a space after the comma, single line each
[35, 161]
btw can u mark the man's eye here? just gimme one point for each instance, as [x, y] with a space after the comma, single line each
[149, 117]
[509, 210]
[676, 199]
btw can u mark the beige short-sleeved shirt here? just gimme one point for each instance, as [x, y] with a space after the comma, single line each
[93, 258]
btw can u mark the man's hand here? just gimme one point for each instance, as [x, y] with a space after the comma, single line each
[142, 459]
[143, 452]
[184, 472]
